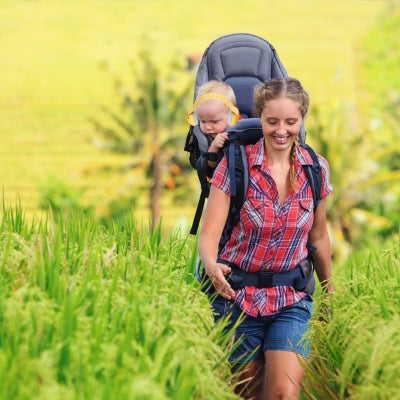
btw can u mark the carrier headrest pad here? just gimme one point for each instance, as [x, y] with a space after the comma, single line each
[242, 60]
[243, 55]
[243, 87]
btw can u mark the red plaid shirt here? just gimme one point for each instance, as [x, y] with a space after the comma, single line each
[269, 237]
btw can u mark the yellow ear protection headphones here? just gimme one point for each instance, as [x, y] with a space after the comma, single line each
[191, 112]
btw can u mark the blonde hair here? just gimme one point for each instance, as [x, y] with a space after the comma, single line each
[276, 88]
[279, 88]
[221, 87]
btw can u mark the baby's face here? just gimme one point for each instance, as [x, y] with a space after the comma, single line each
[213, 117]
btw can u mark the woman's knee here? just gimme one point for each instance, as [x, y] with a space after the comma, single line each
[284, 373]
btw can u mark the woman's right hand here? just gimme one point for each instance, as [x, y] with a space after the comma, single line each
[216, 273]
[213, 224]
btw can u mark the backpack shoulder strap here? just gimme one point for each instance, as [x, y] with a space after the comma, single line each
[313, 173]
[238, 171]
[202, 173]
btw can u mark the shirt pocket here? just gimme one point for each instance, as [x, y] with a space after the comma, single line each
[253, 214]
[305, 215]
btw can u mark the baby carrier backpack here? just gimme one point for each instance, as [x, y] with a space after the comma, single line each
[243, 61]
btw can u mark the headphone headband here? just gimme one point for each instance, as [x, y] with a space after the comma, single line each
[190, 114]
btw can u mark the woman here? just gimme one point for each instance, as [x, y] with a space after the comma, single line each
[276, 222]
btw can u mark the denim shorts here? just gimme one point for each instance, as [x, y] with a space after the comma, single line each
[282, 331]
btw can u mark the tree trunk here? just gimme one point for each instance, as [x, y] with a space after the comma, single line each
[155, 192]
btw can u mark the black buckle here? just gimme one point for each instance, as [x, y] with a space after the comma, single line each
[264, 279]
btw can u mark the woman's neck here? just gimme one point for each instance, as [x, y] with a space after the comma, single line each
[277, 158]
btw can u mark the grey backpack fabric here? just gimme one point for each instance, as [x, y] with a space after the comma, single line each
[243, 61]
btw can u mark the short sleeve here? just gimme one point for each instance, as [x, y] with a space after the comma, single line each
[220, 178]
[326, 186]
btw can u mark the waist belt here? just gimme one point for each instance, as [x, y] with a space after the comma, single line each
[301, 278]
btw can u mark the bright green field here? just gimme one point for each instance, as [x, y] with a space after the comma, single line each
[51, 81]
[89, 312]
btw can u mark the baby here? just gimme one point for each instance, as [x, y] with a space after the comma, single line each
[215, 109]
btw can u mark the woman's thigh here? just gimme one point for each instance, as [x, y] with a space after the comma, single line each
[287, 331]
[254, 336]
[284, 371]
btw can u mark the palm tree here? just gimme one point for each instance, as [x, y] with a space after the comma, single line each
[150, 122]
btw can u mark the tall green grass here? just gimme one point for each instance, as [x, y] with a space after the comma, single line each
[356, 352]
[93, 313]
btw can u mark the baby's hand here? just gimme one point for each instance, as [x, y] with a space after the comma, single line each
[218, 142]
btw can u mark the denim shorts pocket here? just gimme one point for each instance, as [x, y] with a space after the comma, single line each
[221, 307]
[307, 305]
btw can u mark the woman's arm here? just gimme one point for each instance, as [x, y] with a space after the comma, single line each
[213, 224]
[319, 238]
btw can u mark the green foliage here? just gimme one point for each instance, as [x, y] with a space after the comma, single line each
[382, 79]
[58, 197]
[52, 83]
[364, 186]
[364, 153]
[149, 124]
[90, 313]
[93, 312]
[355, 353]
[381, 63]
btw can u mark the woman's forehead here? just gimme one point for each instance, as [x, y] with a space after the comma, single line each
[281, 107]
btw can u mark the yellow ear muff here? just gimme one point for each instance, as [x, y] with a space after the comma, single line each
[190, 114]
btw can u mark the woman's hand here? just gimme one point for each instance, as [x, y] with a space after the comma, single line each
[213, 223]
[217, 273]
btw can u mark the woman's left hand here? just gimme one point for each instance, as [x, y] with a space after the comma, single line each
[217, 273]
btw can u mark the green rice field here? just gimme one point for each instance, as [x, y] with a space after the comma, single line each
[113, 311]
[88, 312]
[52, 80]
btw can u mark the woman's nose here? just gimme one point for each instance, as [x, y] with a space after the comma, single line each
[281, 128]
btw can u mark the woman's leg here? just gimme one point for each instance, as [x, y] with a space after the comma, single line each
[279, 379]
[251, 380]
[284, 373]
[286, 349]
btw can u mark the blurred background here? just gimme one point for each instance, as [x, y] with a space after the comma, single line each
[91, 91]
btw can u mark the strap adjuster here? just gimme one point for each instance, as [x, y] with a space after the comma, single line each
[215, 157]
[265, 279]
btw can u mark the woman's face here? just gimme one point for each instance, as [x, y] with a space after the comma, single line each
[281, 121]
